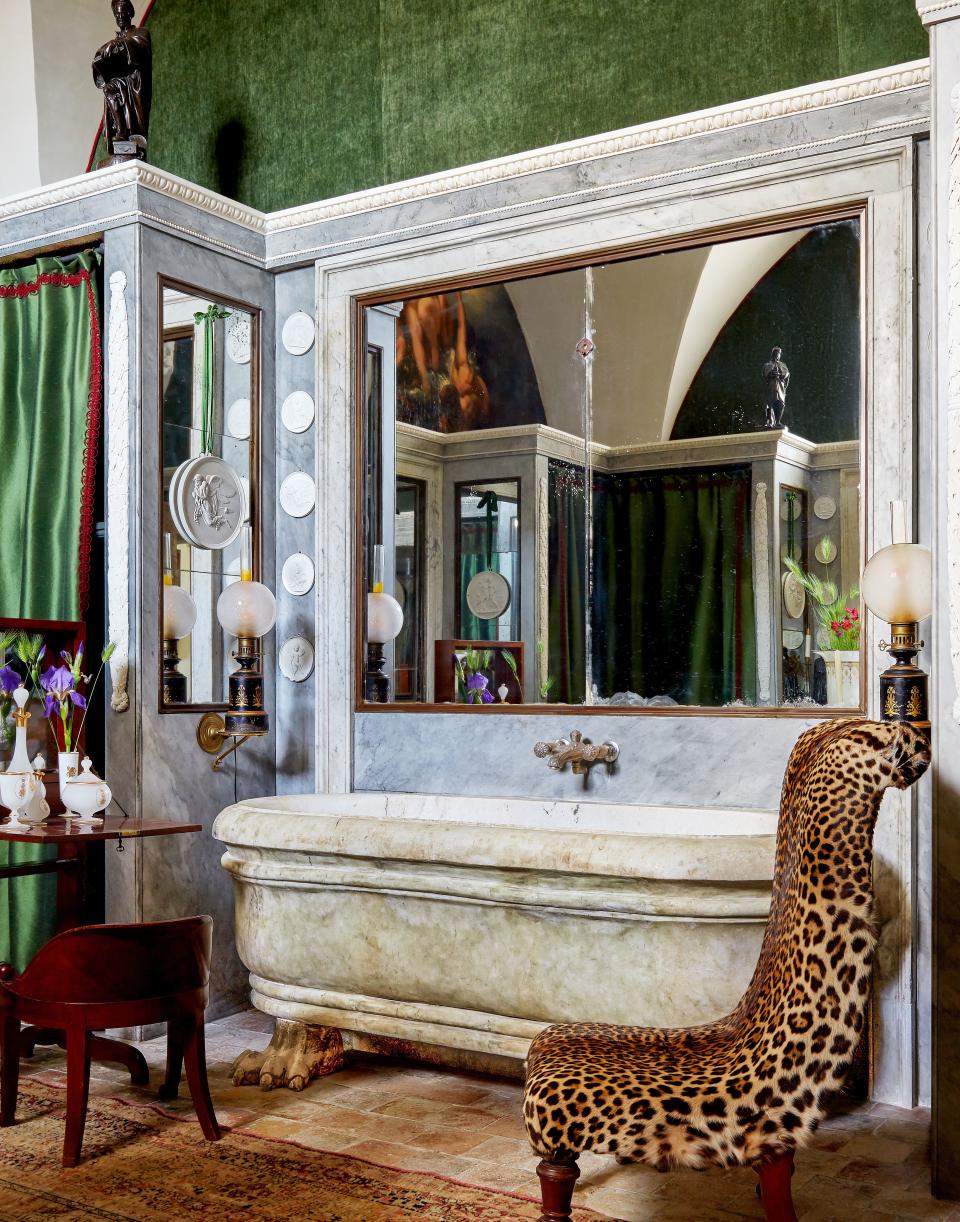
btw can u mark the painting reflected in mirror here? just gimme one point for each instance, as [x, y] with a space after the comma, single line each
[645, 474]
[209, 429]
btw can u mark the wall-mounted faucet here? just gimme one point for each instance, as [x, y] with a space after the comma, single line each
[577, 752]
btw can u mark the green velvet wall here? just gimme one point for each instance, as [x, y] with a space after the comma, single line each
[279, 103]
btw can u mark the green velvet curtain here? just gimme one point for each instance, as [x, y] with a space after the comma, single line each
[50, 388]
[673, 586]
[50, 396]
[567, 602]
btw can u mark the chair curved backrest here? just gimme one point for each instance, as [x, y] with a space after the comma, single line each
[107, 963]
[813, 969]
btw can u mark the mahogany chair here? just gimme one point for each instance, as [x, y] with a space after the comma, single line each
[100, 976]
[748, 1089]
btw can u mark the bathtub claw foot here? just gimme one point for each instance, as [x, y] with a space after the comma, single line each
[297, 1053]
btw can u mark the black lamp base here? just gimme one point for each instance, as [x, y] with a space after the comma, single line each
[174, 684]
[376, 685]
[245, 712]
[903, 686]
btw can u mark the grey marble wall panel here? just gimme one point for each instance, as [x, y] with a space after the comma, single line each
[296, 614]
[181, 874]
[671, 761]
[121, 730]
[769, 138]
[926, 485]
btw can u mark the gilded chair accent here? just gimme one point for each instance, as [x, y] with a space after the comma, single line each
[751, 1088]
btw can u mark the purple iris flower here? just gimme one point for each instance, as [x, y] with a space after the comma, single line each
[9, 680]
[58, 684]
[477, 689]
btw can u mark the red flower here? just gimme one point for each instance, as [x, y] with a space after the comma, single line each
[835, 626]
[854, 613]
[847, 625]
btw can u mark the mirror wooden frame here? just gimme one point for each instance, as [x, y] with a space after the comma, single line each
[856, 209]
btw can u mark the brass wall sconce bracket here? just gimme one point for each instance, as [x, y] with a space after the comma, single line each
[211, 732]
[577, 752]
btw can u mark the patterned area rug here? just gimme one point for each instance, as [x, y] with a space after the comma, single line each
[140, 1164]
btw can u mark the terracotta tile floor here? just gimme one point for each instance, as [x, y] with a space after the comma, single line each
[870, 1163]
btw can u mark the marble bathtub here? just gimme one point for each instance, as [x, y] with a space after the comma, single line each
[467, 924]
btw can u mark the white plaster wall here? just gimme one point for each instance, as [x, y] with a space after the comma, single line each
[19, 145]
[49, 102]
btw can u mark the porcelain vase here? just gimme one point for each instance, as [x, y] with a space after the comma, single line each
[85, 796]
[21, 785]
[843, 677]
[68, 767]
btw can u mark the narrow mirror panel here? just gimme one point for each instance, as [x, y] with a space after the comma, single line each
[209, 432]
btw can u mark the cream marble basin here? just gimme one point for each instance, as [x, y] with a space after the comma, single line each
[470, 923]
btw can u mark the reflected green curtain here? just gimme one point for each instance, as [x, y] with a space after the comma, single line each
[673, 586]
[472, 628]
[50, 399]
[567, 599]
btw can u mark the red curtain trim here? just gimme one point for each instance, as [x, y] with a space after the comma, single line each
[94, 400]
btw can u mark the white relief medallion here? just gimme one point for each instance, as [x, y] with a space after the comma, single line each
[298, 333]
[296, 659]
[298, 494]
[298, 411]
[297, 574]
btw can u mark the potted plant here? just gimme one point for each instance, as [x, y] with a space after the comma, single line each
[839, 619]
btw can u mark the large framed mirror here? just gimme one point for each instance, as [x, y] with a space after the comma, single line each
[630, 484]
[209, 457]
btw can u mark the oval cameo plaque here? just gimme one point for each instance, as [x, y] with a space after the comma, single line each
[488, 594]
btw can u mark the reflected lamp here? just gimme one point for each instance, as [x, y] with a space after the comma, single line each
[246, 610]
[384, 623]
[897, 586]
[179, 616]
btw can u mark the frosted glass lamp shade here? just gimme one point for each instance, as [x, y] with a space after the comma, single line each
[897, 583]
[179, 613]
[247, 609]
[384, 618]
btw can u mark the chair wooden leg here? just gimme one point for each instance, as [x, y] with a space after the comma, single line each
[78, 1085]
[116, 1052]
[775, 1188]
[558, 1176]
[9, 1066]
[175, 1040]
[195, 1061]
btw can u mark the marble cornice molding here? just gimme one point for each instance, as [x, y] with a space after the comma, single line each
[137, 175]
[937, 11]
[791, 102]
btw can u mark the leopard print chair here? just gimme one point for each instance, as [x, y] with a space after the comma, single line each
[748, 1089]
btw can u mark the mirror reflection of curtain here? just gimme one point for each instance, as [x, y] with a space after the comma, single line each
[473, 560]
[50, 398]
[673, 609]
[567, 602]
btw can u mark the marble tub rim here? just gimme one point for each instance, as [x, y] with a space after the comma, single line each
[268, 828]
